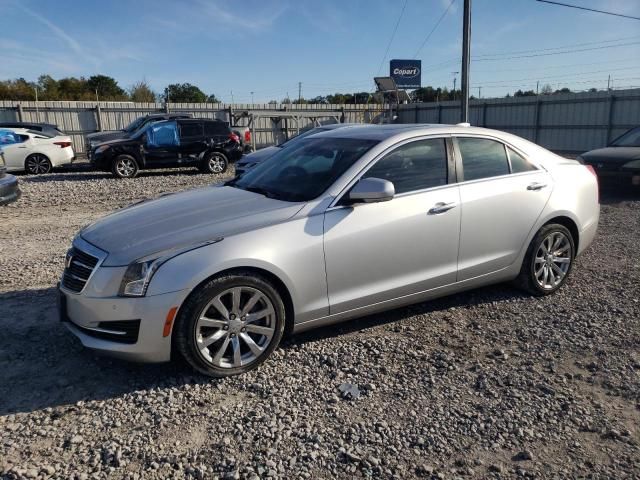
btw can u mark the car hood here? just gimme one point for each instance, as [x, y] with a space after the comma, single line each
[181, 220]
[612, 155]
[101, 137]
[260, 155]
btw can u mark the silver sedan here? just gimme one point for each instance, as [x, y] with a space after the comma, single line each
[346, 223]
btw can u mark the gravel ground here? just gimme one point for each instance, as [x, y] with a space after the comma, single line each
[489, 384]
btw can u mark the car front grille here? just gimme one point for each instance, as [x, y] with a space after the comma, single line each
[78, 268]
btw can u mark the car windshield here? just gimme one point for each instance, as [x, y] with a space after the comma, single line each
[305, 170]
[133, 126]
[629, 139]
[300, 136]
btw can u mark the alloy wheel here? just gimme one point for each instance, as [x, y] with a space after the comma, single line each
[236, 327]
[37, 164]
[126, 167]
[552, 260]
[216, 164]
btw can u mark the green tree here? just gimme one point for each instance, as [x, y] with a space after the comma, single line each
[526, 93]
[107, 88]
[141, 92]
[48, 88]
[185, 93]
[213, 99]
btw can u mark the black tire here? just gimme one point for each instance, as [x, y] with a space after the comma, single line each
[124, 166]
[215, 163]
[37, 164]
[188, 331]
[532, 283]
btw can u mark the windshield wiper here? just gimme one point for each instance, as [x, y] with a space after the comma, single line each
[264, 191]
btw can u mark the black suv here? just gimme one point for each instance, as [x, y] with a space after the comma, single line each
[208, 144]
[93, 139]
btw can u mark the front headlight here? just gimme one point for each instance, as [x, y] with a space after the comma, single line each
[136, 279]
[635, 164]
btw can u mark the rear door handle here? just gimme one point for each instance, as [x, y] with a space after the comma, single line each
[441, 207]
[536, 186]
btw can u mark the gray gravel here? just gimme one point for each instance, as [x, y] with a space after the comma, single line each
[488, 384]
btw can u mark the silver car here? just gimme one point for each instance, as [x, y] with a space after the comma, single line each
[347, 223]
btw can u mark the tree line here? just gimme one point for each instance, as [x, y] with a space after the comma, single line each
[106, 88]
[102, 87]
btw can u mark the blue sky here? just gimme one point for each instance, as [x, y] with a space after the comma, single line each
[268, 46]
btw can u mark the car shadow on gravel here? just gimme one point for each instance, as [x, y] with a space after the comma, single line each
[87, 174]
[612, 194]
[42, 365]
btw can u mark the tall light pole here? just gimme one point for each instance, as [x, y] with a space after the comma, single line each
[455, 80]
[466, 58]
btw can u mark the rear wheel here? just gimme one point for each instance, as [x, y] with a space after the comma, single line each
[548, 261]
[230, 325]
[124, 166]
[214, 162]
[37, 164]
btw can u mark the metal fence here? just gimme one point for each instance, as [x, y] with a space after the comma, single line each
[571, 123]
[271, 122]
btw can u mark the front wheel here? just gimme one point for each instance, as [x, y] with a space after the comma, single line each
[214, 162]
[548, 261]
[124, 166]
[230, 325]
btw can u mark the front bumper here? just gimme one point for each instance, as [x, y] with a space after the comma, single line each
[9, 190]
[88, 318]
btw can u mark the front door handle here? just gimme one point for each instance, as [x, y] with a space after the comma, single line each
[441, 207]
[536, 186]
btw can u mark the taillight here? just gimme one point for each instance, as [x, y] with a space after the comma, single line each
[234, 137]
[62, 144]
[247, 136]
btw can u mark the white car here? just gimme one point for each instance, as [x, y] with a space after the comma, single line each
[34, 152]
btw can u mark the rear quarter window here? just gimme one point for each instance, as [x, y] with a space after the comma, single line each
[216, 129]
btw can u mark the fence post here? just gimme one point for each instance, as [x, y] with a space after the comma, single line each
[98, 117]
[415, 114]
[484, 114]
[342, 114]
[612, 99]
[20, 112]
[536, 122]
[166, 107]
[439, 113]
[231, 122]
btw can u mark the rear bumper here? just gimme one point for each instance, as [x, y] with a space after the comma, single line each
[587, 234]
[64, 157]
[91, 320]
[9, 190]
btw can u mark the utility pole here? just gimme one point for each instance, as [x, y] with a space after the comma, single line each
[479, 92]
[466, 57]
[455, 80]
[232, 102]
[609, 82]
[299, 92]
[537, 87]
[251, 98]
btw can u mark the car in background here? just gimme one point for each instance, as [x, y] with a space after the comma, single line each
[252, 159]
[619, 162]
[208, 144]
[46, 129]
[9, 191]
[35, 152]
[93, 139]
[347, 223]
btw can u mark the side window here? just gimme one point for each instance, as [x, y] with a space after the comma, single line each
[482, 158]
[413, 166]
[191, 129]
[8, 137]
[519, 164]
[212, 129]
[162, 134]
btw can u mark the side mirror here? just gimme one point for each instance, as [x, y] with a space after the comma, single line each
[371, 190]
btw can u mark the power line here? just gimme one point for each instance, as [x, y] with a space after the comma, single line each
[554, 53]
[434, 28]
[392, 36]
[589, 9]
[561, 47]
